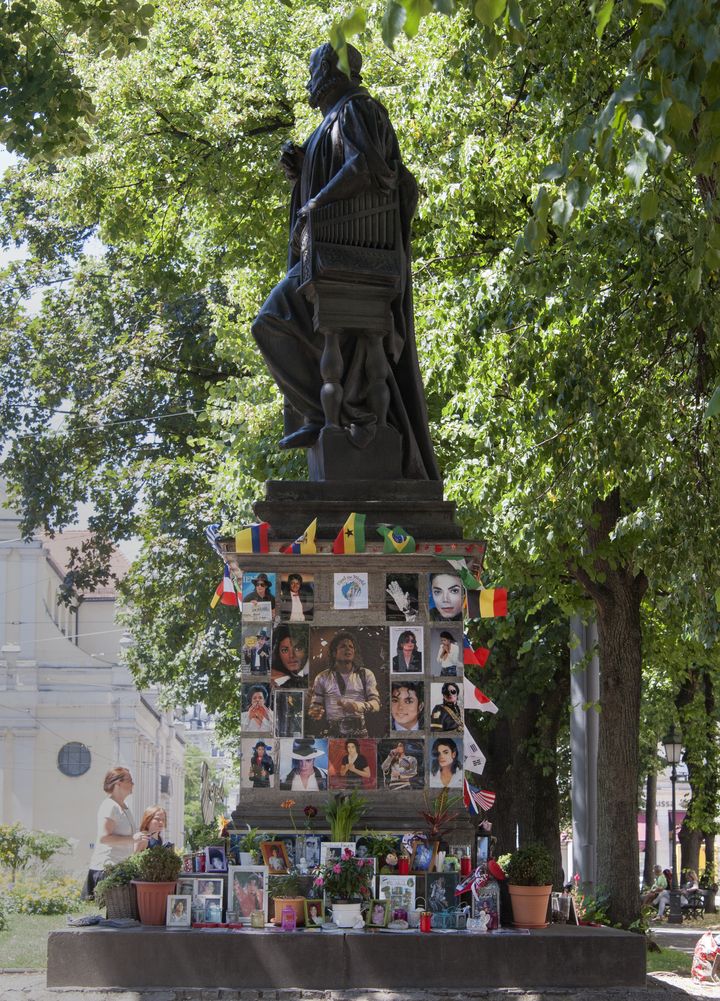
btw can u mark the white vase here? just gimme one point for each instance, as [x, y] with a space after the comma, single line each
[247, 858]
[346, 915]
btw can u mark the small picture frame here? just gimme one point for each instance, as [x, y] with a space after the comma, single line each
[186, 886]
[178, 912]
[213, 909]
[210, 887]
[215, 860]
[331, 851]
[275, 857]
[350, 590]
[378, 914]
[423, 856]
[314, 913]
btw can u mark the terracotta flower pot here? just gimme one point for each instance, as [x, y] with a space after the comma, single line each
[529, 905]
[297, 904]
[152, 901]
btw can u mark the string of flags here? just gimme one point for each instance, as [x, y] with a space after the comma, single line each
[396, 539]
[477, 799]
[472, 657]
[304, 543]
[226, 592]
[351, 537]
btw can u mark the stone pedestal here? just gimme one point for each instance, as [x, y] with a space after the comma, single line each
[334, 457]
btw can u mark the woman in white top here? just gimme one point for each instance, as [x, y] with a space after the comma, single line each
[116, 828]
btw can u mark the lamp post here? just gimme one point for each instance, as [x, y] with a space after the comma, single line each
[673, 753]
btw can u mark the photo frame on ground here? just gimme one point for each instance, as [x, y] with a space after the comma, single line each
[399, 891]
[186, 886]
[331, 851]
[210, 887]
[215, 860]
[275, 857]
[247, 891]
[178, 912]
[213, 909]
[378, 913]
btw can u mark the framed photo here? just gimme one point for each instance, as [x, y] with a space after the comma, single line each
[486, 906]
[407, 705]
[446, 699]
[446, 596]
[186, 887]
[258, 767]
[275, 857]
[258, 596]
[446, 651]
[215, 860]
[289, 665]
[312, 848]
[401, 597]
[178, 913]
[213, 908]
[248, 891]
[359, 655]
[314, 912]
[350, 590]
[256, 716]
[446, 763]
[353, 763]
[406, 649]
[289, 711]
[290, 843]
[401, 764]
[399, 891]
[423, 856]
[378, 913]
[211, 887]
[331, 851]
[482, 848]
[256, 648]
[297, 597]
[303, 764]
[441, 888]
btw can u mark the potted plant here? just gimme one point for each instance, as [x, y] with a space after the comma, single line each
[249, 846]
[287, 891]
[346, 881]
[116, 891]
[342, 813]
[529, 873]
[157, 872]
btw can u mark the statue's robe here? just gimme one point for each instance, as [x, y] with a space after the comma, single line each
[354, 149]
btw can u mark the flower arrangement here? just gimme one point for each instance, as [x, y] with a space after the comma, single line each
[342, 812]
[346, 878]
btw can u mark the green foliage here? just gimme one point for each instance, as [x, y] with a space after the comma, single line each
[120, 874]
[250, 841]
[290, 884]
[530, 865]
[3, 914]
[20, 847]
[379, 844]
[346, 879]
[158, 865]
[200, 835]
[343, 812]
[44, 896]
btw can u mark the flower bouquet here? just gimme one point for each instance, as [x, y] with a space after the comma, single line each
[347, 878]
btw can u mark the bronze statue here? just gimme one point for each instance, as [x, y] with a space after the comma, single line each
[337, 332]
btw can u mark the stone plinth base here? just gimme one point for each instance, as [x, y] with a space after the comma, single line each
[334, 457]
[136, 958]
[417, 505]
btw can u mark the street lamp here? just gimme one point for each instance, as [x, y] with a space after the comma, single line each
[673, 753]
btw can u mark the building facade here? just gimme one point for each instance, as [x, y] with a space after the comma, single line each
[69, 710]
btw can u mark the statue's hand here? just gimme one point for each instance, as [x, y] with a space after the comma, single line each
[292, 157]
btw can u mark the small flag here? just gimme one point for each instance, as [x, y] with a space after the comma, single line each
[461, 568]
[473, 758]
[472, 657]
[351, 537]
[397, 539]
[253, 538]
[475, 699]
[477, 799]
[493, 602]
[225, 592]
[211, 534]
[304, 543]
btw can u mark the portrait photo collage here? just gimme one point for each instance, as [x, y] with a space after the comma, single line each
[366, 707]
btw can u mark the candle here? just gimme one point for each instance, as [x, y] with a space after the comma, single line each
[426, 921]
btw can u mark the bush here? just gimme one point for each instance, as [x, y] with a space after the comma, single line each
[530, 866]
[19, 847]
[119, 874]
[3, 914]
[42, 896]
[158, 865]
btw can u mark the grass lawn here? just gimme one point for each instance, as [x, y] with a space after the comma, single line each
[669, 961]
[23, 944]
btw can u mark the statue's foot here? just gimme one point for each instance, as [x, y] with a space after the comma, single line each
[304, 437]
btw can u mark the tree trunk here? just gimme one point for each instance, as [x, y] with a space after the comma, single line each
[617, 591]
[690, 842]
[650, 815]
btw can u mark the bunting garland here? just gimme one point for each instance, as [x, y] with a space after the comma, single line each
[351, 537]
[473, 657]
[396, 539]
[226, 592]
[475, 699]
[253, 538]
[304, 543]
[493, 602]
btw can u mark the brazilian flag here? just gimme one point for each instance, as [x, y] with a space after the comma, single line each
[397, 539]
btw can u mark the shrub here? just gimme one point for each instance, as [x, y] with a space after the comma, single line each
[119, 874]
[158, 865]
[3, 914]
[42, 896]
[19, 847]
[530, 866]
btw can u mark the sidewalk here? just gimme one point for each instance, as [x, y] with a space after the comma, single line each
[660, 987]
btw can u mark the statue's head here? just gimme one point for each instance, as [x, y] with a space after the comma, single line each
[326, 75]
